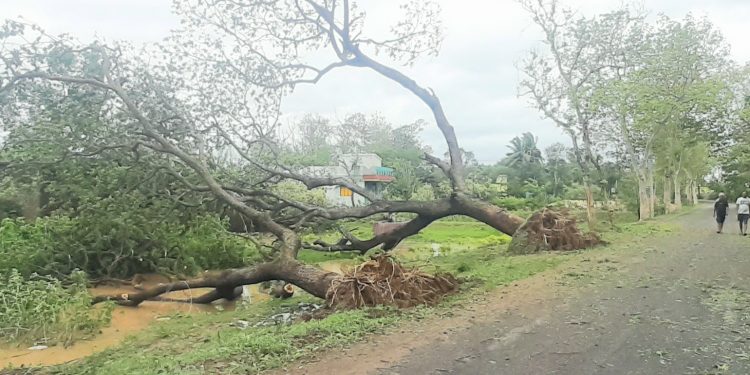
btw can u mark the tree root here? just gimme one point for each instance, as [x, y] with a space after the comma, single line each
[551, 230]
[383, 281]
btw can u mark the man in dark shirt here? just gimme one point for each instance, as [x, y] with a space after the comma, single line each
[720, 211]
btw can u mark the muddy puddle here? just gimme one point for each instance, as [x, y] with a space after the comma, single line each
[128, 320]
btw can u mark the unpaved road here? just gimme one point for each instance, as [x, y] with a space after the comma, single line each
[672, 304]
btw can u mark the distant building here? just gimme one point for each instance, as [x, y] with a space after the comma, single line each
[501, 184]
[365, 170]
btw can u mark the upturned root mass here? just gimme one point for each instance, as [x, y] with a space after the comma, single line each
[551, 230]
[383, 281]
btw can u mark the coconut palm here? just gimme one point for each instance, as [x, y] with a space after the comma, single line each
[523, 151]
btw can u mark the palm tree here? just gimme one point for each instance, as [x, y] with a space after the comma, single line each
[523, 151]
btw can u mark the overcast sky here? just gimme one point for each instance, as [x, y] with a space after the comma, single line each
[474, 75]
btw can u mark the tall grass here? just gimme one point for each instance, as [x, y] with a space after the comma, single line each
[42, 309]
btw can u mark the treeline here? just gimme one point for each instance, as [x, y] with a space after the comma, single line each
[660, 99]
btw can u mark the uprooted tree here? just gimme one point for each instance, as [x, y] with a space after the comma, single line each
[203, 108]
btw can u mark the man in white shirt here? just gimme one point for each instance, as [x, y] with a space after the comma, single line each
[743, 212]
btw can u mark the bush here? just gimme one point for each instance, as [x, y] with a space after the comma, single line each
[207, 245]
[513, 203]
[119, 246]
[575, 192]
[10, 208]
[42, 309]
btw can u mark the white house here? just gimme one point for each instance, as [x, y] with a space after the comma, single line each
[365, 170]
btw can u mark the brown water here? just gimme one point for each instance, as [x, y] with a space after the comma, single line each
[129, 320]
[125, 321]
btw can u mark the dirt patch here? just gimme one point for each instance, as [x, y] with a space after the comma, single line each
[527, 297]
[383, 281]
[521, 297]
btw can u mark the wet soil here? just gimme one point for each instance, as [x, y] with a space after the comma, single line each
[127, 321]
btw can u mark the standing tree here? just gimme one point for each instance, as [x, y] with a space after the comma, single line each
[217, 84]
[557, 166]
[562, 82]
[666, 95]
[523, 151]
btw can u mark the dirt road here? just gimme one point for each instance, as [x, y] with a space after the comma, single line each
[674, 304]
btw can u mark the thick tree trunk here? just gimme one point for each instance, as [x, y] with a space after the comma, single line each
[667, 194]
[312, 279]
[494, 216]
[691, 191]
[528, 236]
[677, 192]
[644, 200]
[696, 191]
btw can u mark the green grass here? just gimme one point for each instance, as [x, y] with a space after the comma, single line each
[207, 343]
[315, 257]
[462, 233]
[198, 346]
[42, 309]
[487, 267]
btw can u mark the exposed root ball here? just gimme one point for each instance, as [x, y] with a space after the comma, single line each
[383, 281]
[551, 230]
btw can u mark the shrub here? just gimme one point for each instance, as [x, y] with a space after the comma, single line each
[10, 208]
[207, 245]
[575, 192]
[119, 246]
[512, 203]
[42, 309]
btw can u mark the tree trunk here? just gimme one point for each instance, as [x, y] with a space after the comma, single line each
[590, 209]
[667, 194]
[494, 216]
[644, 199]
[677, 192]
[696, 191]
[652, 191]
[312, 279]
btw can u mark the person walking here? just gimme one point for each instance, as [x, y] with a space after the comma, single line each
[721, 207]
[743, 212]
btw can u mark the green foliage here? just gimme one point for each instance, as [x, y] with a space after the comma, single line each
[103, 245]
[9, 208]
[513, 203]
[299, 193]
[523, 151]
[575, 192]
[41, 308]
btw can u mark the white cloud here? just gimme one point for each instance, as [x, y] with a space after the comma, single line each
[474, 76]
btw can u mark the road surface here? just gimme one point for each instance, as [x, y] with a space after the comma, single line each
[670, 304]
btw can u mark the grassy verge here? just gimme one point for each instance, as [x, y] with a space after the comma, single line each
[198, 344]
[210, 343]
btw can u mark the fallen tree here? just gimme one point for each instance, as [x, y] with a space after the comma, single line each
[214, 88]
